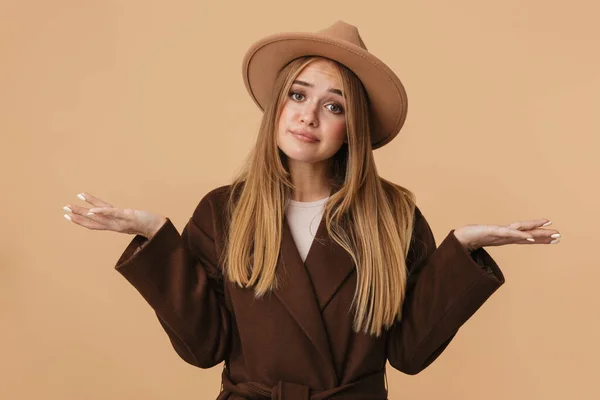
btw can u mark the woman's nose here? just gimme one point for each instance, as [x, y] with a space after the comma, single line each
[309, 115]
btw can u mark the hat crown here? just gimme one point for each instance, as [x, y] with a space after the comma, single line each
[343, 31]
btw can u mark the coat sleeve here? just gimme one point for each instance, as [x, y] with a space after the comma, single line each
[178, 276]
[446, 285]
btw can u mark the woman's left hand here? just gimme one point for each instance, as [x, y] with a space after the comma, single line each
[473, 237]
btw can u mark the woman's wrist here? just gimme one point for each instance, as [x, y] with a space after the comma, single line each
[155, 227]
[469, 247]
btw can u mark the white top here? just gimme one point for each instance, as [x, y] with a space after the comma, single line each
[304, 218]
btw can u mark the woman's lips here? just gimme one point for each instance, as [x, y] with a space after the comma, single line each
[304, 138]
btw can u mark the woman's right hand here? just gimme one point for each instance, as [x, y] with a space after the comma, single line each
[108, 218]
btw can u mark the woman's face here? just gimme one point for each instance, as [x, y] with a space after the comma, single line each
[315, 106]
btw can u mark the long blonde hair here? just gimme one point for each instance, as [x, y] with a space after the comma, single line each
[363, 212]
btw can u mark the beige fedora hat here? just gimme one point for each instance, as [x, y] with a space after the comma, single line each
[340, 42]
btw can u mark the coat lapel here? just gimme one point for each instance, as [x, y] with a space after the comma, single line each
[306, 289]
[328, 265]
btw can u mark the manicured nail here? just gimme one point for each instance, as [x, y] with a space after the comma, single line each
[68, 217]
[556, 235]
[555, 241]
[67, 209]
[547, 223]
[81, 196]
[531, 239]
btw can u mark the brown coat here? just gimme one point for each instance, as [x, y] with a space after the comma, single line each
[298, 342]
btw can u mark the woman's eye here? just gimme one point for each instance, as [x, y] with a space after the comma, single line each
[337, 110]
[296, 94]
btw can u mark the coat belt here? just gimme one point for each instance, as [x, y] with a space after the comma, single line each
[371, 387]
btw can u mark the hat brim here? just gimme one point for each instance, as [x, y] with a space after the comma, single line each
[387, 95]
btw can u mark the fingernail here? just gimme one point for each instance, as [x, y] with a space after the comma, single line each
[547, 223]
[556, 235]
[555, 241]
[67, 209]
[81, 196]
[91, 213]
[68, 217]
[531, 239]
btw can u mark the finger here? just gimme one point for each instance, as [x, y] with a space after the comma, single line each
[85, 222]
[544, 233]
[105, 212]
[543, 240]
[72, 208]
[507, 231]
[528, 224]
[93, 200]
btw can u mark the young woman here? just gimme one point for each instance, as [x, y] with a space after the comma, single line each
[309, 271]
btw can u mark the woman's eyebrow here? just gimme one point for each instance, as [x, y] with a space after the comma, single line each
[302, 83]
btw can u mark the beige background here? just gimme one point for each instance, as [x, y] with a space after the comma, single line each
[142, 104]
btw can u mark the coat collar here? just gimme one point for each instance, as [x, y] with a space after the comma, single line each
[305, 288]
